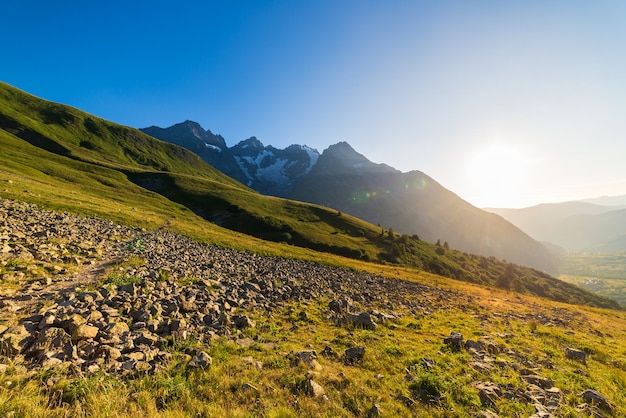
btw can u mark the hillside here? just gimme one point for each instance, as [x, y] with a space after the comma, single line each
[118, 303]
[52, 156]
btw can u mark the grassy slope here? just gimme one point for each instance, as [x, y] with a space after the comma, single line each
[70, 160]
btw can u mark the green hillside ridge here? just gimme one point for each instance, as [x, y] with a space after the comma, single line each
[66, 159]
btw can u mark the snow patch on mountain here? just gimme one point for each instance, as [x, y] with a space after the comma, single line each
[265, 167]
[212, 147]
[275, 172]
[313, 156]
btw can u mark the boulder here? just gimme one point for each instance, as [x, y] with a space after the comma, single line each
[339, 306]
[329, 353]
[577, 355]
[243, 322]
[535, 379]
[201, 360]
[313, 389]
[13, 340]
[354, 355]
[363, 320]
[454, 340]
[85, 332]
[488, 392]
[595, 398]
[308, 358]
[51, 342]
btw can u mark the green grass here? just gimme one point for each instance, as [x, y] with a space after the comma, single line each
[393, 352]
[120, 280]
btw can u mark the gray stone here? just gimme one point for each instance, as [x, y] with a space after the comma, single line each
[339, 306]
[201, 360]
[454, 340]
[308, 358]
[313, 389]
[363, 320]
[595, 398]
[243, 322]
[428, 363]
[354, 355]
[13, 340]
[577, 355]
[47, 321]
[85, 332]
[51, 342]
[542, 382]
[488, 393]
[329, 353]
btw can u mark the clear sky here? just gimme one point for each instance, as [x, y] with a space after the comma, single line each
[506, 103]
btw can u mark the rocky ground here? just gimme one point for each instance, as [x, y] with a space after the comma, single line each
[54, 266]
[92, 296]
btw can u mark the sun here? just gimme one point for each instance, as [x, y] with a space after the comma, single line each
[496, 175]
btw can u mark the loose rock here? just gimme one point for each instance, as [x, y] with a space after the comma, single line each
[354, 355]
[201, 360]
[454, 340]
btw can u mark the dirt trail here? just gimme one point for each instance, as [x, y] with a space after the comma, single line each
[26, 300]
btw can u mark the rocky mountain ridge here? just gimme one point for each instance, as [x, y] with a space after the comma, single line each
[210, 147]
[268, 170]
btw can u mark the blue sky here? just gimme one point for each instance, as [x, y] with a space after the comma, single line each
[507, 104]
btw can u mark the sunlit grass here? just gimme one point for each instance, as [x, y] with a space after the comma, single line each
[235, 385]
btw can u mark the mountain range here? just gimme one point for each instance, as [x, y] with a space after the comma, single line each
[410, 203]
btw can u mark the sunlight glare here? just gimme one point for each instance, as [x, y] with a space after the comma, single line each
[496, 174]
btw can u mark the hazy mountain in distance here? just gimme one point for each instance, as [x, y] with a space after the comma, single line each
[414, 203]
[574, 226]
[608, 201]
